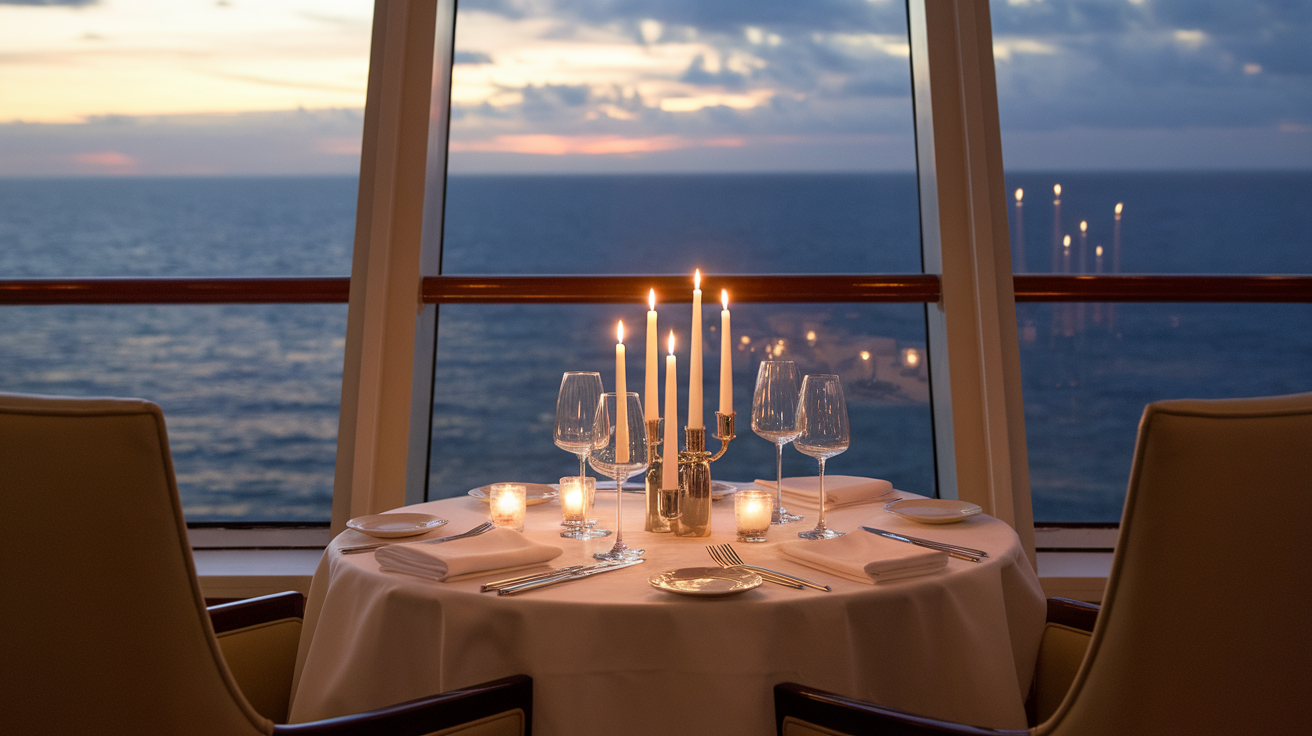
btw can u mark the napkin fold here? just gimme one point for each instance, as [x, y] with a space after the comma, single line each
[498, 549]
[840, 490]
[865, 558]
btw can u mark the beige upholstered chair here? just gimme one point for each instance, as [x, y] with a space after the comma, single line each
[1203, 627]
[103, 624]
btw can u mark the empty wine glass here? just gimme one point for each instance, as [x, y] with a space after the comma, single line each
[823, 433]
[774, 417]
[576, 415]
[621, 453]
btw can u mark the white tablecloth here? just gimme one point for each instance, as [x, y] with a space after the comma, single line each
[613, 655]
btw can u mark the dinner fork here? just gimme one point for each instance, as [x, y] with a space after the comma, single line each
[725, 556]
[480, 529]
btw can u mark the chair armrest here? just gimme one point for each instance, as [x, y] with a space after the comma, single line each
[1075, 614]
[426, 715]
[266, 608]
[851, 716]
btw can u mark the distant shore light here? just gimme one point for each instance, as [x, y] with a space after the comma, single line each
[1020, 193]
[1066, 241]
[1056, 190]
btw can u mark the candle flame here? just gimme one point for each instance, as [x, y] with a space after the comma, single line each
[671, 342]
[1019, 194]
[651, 300]
[724, 298]
[1056, 190]
[865, 355]
[1084, 226]
[619, 329]
[1066, 241]
[1098, 251]
[697, 279]
[1118, 208]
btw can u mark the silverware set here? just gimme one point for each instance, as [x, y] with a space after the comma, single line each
[969, 554]
[725, 556]
[485, 527]
[523, 583]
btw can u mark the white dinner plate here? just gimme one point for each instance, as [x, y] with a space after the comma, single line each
[388, 526]
[706, 581]
[534, 493]
[719, 489]
[932, 510]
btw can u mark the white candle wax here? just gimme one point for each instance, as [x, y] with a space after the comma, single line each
[651, 399]
[621, 401]
[670, 450]
[726, 358]
[695, 357]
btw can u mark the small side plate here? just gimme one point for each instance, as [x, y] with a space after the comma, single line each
[706, 581]
[388, 526]
[534, 493]
[719, 489]
[932, 510]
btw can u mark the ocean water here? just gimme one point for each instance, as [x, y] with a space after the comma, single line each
[252, 392]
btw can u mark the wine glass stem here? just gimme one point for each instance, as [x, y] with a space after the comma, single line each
[821, 525]
[619, 512]
[778, 481]
[583, 464]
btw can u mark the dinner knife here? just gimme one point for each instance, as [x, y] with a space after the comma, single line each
[535, 584]
[960, 555]
[544, 574]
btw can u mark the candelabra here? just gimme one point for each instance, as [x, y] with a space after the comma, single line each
[656, 521]
[688, 514]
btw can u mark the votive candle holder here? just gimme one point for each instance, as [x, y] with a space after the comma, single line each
[751, 512]
[577, 494]
[507, 504]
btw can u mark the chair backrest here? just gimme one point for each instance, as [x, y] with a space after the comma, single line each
[104, 626]
[1204, 626]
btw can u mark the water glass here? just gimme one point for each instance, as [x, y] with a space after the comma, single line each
[774, 417]
[621, 453]
[576, 414]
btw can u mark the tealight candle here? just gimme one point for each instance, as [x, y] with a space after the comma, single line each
[576, 496]
[506, 505]
[751, 511]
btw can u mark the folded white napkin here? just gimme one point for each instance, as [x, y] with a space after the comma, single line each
[840, 490]
[864, 557]
[498, 549]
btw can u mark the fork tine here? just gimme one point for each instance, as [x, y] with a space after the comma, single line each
[715, 555]
[732, 554]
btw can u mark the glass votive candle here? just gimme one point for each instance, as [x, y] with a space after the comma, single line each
[577, 494]
[506, 505]
[751, 512]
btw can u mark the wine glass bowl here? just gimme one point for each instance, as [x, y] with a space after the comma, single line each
[620, 452]
[576, 414]
[823, 432]
[774, 418]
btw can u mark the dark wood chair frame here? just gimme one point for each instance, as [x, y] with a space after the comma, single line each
[411, 718]
[852, 716]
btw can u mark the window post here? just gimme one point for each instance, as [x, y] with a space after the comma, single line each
[979, 418]
[389, 333]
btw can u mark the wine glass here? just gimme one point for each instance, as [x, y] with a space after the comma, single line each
[774, 417]
[823, 433]
[576, 415]
[621, 453]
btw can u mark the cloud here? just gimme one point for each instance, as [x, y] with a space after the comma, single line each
[286, 142]
[51, 3]
[471, 57]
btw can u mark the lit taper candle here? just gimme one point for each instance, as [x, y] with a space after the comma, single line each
[651, 400]
[670, 450]
[726, 357]
[621, 400]
[695, 356]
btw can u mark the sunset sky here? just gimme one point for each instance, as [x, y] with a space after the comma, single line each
[124, 87]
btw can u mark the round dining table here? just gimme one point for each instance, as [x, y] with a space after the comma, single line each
[611, 654]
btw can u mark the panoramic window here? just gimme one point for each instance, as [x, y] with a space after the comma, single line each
[1180, 135]
[164, 139]
[657, 138]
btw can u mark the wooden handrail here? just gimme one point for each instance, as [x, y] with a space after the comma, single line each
[671, 289]
[176, 291]
[1282, 289]
[675, 289]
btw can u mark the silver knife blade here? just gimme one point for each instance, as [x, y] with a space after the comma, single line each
[544, 574]
[535, 584]
[920, 543]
